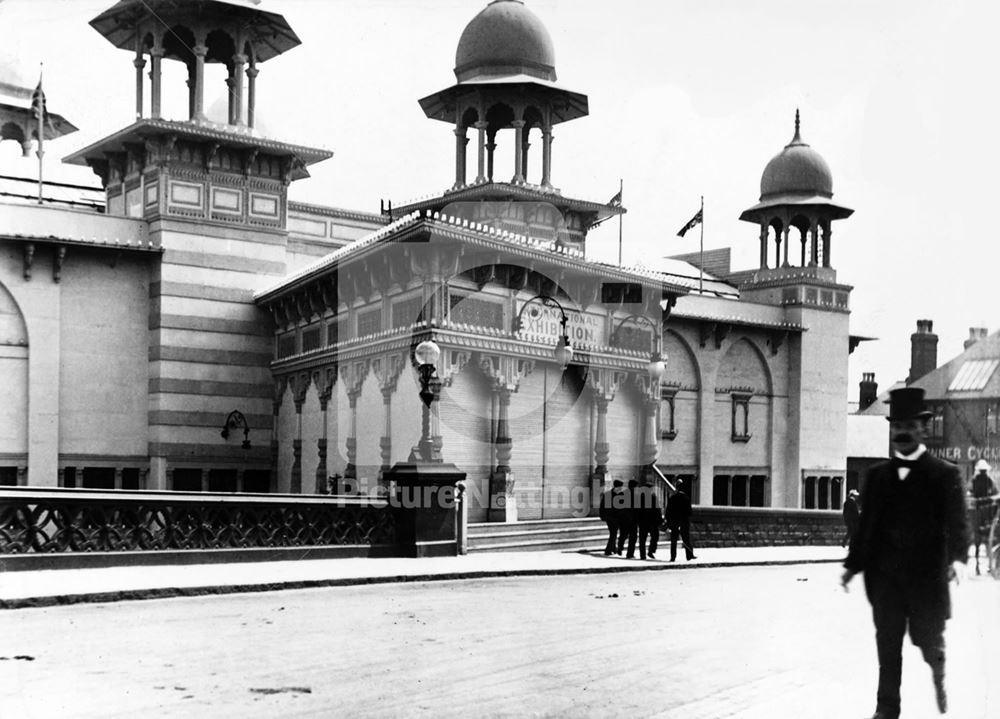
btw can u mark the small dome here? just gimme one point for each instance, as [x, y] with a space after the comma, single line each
[796, 170]
[505, 38]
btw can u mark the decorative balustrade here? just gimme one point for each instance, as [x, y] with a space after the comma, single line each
[37, 520]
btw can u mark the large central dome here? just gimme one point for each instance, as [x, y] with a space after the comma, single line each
[796, 170]
[505, 39]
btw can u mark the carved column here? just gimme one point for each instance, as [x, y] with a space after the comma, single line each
[490, 147]
[353, 376]
[118, 477]
[155, 79]
[518, 126]
[481, 148]
[827, 232]
[252, 73]
[387, 371]
[651, 440]
[763, 246]
[325, 381]
[140, 63]
[506, 373]
[279, 392]
[604, 385]
[198, 88]
[602, 450]
[547, 157]
[300, 388]
[461, 140]
[236, 95]
[351, 470]
[525, 145]
[784, 239]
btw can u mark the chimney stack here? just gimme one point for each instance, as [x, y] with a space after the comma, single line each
[869, 391]
[923, 351]
[975, 334]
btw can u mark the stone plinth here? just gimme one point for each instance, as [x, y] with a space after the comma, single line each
[426, 507]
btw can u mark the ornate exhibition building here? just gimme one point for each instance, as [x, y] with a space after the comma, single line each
[193, 328]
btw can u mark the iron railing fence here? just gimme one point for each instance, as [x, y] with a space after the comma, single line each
[56, 520]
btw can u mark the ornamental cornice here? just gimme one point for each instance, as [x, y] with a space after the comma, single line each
[466, 234]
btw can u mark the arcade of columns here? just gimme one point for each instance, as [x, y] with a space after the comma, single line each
[237, 65]
[387, 354]
[815, 234]
[505, 374]
[486, 132]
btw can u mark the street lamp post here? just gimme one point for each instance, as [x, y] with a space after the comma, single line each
[427, 355]
[427, 500]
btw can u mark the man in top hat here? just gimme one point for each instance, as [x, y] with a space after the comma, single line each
[912, 539]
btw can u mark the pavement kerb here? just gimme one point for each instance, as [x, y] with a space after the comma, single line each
[168, 592]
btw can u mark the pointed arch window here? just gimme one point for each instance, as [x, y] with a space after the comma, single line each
[741, 416]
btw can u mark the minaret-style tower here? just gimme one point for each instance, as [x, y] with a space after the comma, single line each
[194, 168]
[214, 196]
[796, 193]
[506, 83]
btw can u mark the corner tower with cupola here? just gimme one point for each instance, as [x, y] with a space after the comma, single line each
[214, 196]
[506, 89]
[796, 194]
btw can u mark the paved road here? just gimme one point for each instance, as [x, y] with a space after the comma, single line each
[753, 642]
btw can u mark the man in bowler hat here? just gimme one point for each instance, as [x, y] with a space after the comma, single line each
[913, 538]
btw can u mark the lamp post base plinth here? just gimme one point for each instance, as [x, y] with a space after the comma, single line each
[426, 503]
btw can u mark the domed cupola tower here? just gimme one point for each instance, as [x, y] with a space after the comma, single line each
[796, 192]
[506, 86]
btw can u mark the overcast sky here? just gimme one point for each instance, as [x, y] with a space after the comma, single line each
[686, 99]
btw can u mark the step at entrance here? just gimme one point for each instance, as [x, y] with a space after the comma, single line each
[544, 534]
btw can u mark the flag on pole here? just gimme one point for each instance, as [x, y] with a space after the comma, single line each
[691, 224]
[38, 102]
[616, 201]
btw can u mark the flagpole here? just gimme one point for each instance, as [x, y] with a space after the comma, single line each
[701, 248]
[621, 186]
[40, 113]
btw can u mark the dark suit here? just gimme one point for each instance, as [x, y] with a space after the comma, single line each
[910, 532]
[648, 517]
[679, 522]
[611, 500]
[852, 517]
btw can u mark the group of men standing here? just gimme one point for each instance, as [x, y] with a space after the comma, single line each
[634, 513]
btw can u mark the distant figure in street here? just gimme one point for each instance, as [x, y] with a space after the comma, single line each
[912, 539]
[612, 500]
[679, 523]
[627, 527]
[852, 517]
[983, 491]
[648, 518]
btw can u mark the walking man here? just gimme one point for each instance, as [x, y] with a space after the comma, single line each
[852, 517]
[679, 523]
[627, 527]
[612, 500]
[648, 517]
[913, 537]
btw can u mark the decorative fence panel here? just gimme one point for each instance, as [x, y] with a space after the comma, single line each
[41, 521]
